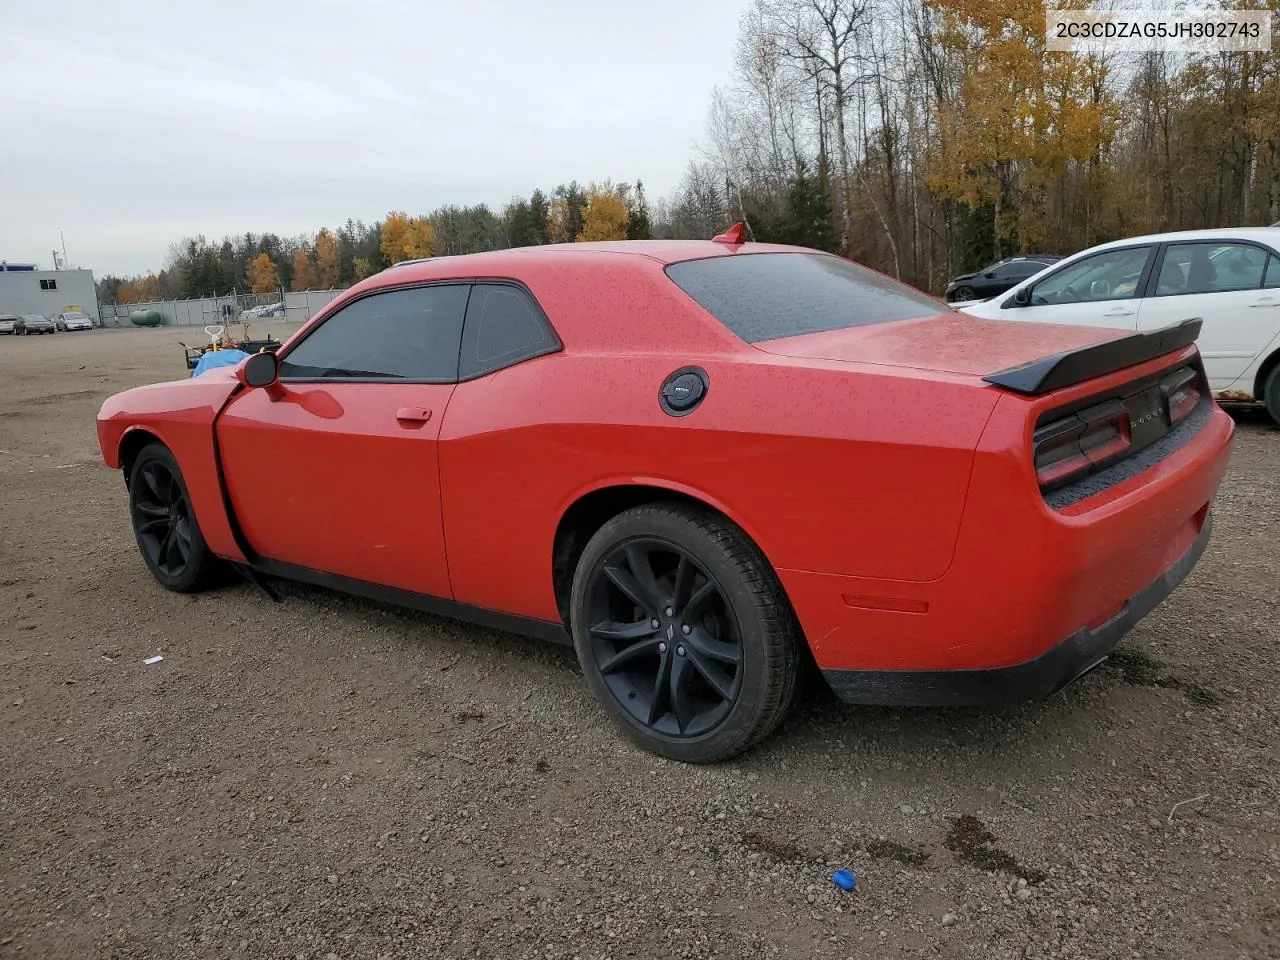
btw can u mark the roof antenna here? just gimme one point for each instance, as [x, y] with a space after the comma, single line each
[732, 235]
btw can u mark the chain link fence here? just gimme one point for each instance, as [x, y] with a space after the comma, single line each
[297, 306]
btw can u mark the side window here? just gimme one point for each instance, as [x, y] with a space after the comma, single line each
[1272, 279]
[409, 334]
[1007, 270]
[504, 326]
[1210, 268]
[1112, 275]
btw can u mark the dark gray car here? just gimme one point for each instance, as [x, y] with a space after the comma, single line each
[32, 323]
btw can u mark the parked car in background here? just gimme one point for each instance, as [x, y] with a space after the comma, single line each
[267, 311]
[34, 323]
[998, 277]
[1229, 278]
[7, 322]
[73, 321]
[699, 462]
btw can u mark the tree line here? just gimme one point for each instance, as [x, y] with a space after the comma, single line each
[328, 259]
[921, 137]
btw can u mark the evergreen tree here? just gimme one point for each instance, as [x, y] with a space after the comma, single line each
[808, 218]
[638, 227]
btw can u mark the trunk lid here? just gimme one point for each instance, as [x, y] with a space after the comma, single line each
[949, 343]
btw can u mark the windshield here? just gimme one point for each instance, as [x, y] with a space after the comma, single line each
[768, 296]
[33, 318]
[76, 316]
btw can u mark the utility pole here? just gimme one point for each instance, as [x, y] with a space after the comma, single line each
[64, 248]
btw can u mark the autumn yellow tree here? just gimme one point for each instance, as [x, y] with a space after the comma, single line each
[406, 238]
[263, 277]
[362, 267]
[1023, 117]
[148, 287]
[558, 218]
[328, 260]
[304, 277]
[605, 216]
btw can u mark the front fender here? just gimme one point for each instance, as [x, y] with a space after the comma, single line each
[180, 415]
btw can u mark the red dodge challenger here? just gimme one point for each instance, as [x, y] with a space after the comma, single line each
[701, 463]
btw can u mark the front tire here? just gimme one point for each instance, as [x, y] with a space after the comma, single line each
[1271, 394]
[684, 633]
[164, 524]
[962, 293]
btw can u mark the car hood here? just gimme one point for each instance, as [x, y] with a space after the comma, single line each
[963, 276]
[950, 343]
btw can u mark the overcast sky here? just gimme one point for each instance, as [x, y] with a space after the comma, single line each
[127, 124]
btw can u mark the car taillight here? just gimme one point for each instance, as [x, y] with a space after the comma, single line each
[1072, 446]
[1181, 394]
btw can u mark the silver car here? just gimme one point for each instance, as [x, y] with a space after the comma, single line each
[73, 321]
[7, 322]
[33, 323]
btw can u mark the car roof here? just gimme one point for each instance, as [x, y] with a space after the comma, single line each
[498, 262]
[578, 283]
[1267, 235]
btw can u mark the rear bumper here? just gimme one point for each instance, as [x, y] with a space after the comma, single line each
[1031, 680]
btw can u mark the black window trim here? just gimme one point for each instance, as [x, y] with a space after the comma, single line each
[555, 346]
[1139, 291]
[470, 283]
[1221, 241]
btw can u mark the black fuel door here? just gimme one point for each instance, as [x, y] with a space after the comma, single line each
[683, 390]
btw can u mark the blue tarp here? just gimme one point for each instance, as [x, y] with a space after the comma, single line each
[218, 358]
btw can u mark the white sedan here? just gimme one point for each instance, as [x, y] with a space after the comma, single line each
[1229, 278]
[73, 321]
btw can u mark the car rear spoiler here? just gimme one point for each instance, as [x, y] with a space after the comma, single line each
[1075, 366]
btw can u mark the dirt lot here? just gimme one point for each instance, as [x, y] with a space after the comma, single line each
[330, 778]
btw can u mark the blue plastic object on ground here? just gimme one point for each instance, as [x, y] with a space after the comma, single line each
[218, 358]
[845, 880]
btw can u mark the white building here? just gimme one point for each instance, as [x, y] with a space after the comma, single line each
[25, 290]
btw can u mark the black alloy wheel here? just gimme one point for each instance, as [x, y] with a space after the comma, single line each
[683, 632]
[962, 293]
[664, 637]
[164, 523]
[162, 519]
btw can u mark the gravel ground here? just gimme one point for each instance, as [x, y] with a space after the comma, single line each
[330, 778]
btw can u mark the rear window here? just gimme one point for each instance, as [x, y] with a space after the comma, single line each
[768, 296]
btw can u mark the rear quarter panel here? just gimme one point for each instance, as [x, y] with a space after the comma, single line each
[181, 416]
[827, 466]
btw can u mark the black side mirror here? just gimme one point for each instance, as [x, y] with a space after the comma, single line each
[990, 274]
[1022, 297]
[260, 370]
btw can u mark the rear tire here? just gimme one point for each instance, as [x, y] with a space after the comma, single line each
[684, 633]
[1271, 394]
[164, 524]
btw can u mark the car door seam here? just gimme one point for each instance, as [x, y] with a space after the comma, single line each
[237, 532]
